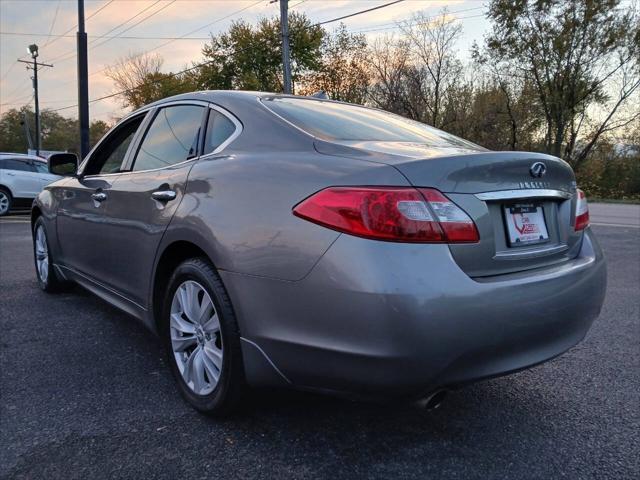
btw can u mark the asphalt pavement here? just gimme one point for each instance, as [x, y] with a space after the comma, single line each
[617, 214]
[85, 392]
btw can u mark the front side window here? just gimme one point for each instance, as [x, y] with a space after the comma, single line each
[172, 137]
[41, 167]
[219, 129]
[334, 121]
[110, 155]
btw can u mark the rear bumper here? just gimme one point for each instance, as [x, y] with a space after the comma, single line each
[400, 319]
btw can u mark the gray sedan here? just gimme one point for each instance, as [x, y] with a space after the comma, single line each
[273, 240]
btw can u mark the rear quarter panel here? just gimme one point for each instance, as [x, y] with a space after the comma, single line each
[238, 208]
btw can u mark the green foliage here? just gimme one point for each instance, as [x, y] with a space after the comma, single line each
[570, 50]
[248, 57]
[141, 81]
[58, 132]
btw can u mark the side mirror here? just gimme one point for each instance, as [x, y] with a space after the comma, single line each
[65, 164]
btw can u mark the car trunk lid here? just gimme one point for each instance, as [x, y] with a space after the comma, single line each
[494, 188]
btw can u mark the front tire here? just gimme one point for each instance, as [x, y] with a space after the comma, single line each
[46, 274]
[202, 339]
[6, 201]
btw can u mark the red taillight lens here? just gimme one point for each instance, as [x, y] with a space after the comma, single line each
[389, 213]
[582, 211]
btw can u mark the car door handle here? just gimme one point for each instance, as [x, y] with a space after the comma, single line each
[11, 174]
[99, 197]
[164, 195]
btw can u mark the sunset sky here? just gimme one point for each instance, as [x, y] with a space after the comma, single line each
[23, 22]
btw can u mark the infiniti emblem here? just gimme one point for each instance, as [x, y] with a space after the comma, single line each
[538, 169]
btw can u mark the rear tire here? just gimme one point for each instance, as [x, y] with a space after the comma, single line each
[6, 201]
[202, 339]
[45, 272]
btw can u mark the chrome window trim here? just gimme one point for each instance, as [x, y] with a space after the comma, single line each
[524, 193]
[232, 137]
[83, 163]
[261, 100]
[222, 146]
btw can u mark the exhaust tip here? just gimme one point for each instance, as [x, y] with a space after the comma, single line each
[432, 401]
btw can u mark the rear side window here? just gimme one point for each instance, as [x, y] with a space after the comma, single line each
[17, 165]
[219, 129]
[334, 121]
[172, 137]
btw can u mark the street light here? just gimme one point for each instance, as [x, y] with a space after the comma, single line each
[33, 50]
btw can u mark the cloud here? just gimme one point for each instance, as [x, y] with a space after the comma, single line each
[175, 19]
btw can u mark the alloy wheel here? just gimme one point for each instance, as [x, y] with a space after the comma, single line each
[196, 338]
[42, 254]
[4, 203]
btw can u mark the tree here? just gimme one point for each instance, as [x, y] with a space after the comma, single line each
[388, 63]
[249, 58]
[435, 66]
[572, 50]
[343, 72]
[58, 133]
[141, 82]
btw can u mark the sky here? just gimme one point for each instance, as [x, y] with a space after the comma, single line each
[23, 22]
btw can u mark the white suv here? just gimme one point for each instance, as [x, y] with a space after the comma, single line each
[22, 177]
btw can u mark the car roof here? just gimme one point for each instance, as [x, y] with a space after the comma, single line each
[221, 95]
[23, 156]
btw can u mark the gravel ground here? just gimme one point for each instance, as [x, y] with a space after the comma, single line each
[85, 393]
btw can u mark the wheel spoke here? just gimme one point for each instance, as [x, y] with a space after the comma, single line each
[181, 295]
[182, 343]
[214, 354]
[197, 370]
[206, 309]
[212, 325]
[213, 369]
[188, 371]
[182, 325]
[192, 301]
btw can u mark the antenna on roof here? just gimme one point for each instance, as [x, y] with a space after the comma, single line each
[321, 94]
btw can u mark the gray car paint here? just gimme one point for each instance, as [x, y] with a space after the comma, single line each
[323, 310]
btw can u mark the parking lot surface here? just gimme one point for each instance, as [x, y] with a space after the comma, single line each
[85, 392]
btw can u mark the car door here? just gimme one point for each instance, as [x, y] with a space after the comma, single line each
[44, 176]
[82, 223]
[21, 178]
[141, 203]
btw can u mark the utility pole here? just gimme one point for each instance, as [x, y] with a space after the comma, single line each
[83, 83]
[33, 51]
[286, 53]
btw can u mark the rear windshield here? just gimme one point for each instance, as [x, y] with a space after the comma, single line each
[345, 122]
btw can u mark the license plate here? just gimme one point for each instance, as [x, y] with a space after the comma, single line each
[525, 224]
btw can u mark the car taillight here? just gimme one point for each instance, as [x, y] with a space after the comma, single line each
[396, 214]
[582, 211]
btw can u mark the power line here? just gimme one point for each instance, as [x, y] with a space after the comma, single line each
[169, 75]
[359, 13]
[185, 35]
[397, 26]
[76, 25]
[58, 37]
[72, 53]
[374, 28]
[123, 37]
[53, 23]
